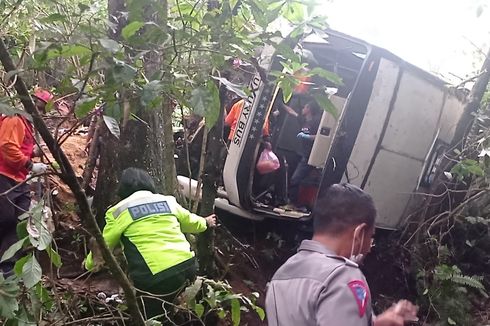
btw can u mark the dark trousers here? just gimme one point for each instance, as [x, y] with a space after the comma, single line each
[300, 173]
[12, 205]
[167, 285]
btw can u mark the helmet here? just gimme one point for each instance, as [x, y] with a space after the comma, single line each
[43, 95]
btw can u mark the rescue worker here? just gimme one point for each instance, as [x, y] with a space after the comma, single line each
[17, 147]
[322, 283]
[151, 228]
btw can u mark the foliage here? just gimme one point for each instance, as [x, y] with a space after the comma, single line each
[20, 292]
[69, 42]
[446, 290]
[455, 244]
[152, 55]
[467, 168]
[205, 297]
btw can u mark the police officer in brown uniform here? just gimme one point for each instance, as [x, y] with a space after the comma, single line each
[322, 283]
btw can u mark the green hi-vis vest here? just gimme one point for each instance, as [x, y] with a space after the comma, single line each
[151, 227]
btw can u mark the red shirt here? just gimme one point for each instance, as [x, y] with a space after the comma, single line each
[16, 147]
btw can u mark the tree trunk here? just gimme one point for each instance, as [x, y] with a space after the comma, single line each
[168, 162]
[467, 120]
[143, 144]
[210, 179]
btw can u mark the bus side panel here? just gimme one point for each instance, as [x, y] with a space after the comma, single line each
[409, 134]
[452, 112]
[372, 125]
[415, 117]
[391, 183]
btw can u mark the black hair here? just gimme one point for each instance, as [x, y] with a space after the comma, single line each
[133, 180]
[342, 206]
[314, 107]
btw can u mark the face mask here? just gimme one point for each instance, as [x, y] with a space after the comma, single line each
[359, 257]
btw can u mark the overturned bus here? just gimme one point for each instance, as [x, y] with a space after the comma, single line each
[394, 121]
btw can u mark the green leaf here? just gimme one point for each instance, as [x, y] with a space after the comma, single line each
[9, 110]
[192, 290]
[237, 89]
[211, 297]
[22, 229]
[13, 249]
[235, 312]
[221, 313]
[39, 234]
[67, 51]
[151, 94]
[110, 45]
[12, 73]
[84, 106]
[54, 256]
[31, 272]
[54, 18]
[260, 312]
[113, 109]
[112, 125]
[326, 105]
[19, 264]
[83, 7]
[284, 50]
[328, 75]
[199, 309]
[122, 73]
[294, 12]
[44, 296]
[8, 297]
[287, 90]
[131, 29]
[259, 14]
[205, 102]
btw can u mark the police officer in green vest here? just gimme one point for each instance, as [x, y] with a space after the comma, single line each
[151, 228]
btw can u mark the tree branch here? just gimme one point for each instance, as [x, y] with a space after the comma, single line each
[68, 176]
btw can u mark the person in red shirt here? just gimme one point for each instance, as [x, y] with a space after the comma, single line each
[16, 150]
[233, 116]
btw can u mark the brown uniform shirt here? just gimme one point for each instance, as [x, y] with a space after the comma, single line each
[317, 287]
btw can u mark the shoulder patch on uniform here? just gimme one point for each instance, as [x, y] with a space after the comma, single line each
[361, 294]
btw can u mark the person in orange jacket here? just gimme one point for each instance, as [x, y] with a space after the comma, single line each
[16, 150]
[232, 120]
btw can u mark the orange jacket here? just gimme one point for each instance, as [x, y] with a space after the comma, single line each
[16, 147]
[304, 85]
[233, 116]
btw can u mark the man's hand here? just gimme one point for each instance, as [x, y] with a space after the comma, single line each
[389, 318]
[290, 111]
[398, 314]
[38, 168]
[407, 310]
[211, 220]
